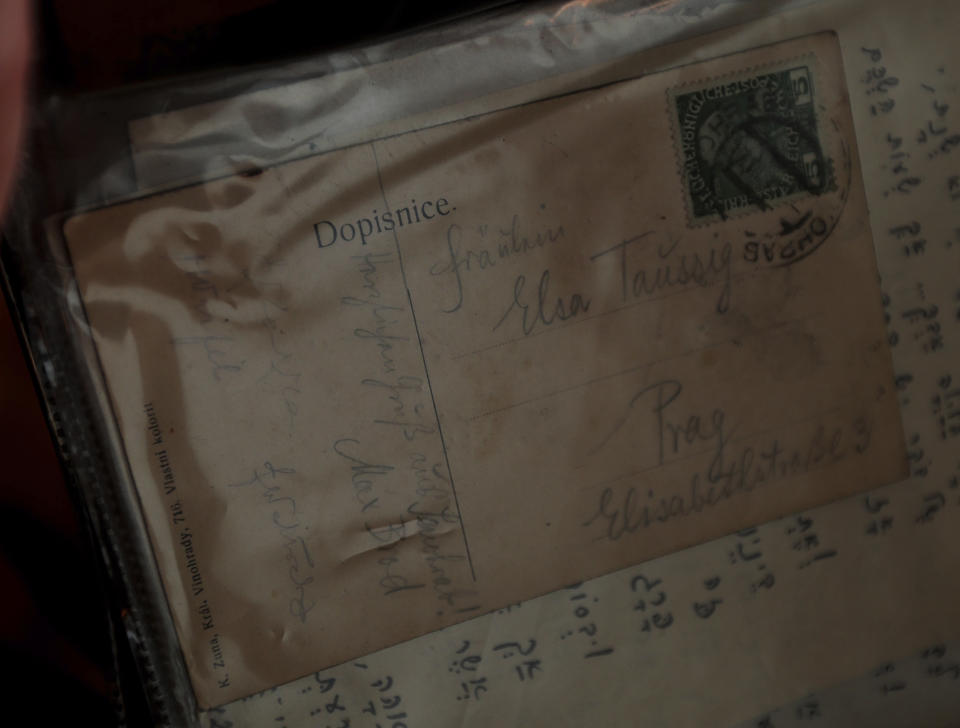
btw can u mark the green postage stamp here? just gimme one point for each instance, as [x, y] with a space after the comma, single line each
[749, 142]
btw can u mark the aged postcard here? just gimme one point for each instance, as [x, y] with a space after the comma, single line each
[379, 391]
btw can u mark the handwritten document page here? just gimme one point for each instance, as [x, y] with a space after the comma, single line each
[919, 690]
[377, 392]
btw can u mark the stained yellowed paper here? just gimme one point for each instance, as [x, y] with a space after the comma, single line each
[383, 390]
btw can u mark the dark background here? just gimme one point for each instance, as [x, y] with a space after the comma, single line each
[104, 43]
[65, 663]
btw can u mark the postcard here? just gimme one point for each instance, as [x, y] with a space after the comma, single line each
[372, 393]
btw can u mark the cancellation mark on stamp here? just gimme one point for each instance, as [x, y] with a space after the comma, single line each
[749, 143]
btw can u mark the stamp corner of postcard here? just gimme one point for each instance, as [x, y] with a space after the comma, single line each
[747, 140]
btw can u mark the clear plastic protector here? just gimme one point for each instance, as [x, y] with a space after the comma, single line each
[631, 305]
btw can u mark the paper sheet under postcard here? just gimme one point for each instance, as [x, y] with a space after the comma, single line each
[371, 393]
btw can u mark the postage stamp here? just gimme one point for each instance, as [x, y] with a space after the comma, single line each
[749, 142]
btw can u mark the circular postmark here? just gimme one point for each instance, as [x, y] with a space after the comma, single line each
[752, 143]
[801, 226]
